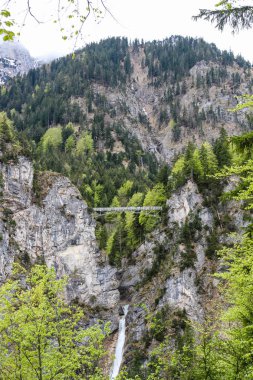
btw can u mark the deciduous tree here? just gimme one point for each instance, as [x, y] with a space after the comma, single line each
[41, 337]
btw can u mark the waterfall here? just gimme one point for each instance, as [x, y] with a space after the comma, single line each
[120, 345]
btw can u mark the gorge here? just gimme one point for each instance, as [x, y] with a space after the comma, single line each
[129, 125]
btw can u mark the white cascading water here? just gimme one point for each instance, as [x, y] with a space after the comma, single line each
[120, 345]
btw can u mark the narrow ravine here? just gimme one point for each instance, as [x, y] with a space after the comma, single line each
[120, 345]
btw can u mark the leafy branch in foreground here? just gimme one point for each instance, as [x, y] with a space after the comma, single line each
[244, 189]
[240, 173]
[41, 337]
[70, 15]
[228, 13]
[245, 101]
[6, 25]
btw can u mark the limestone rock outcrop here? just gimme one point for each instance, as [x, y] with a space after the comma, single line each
[59, 231]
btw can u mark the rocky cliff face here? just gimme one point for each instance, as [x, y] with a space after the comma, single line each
[44, 220]
[173, 271]
[14, 59]
[60, 232]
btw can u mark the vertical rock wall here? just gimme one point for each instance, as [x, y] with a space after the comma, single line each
[59, 232]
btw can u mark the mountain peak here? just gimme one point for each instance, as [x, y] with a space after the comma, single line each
[14, 59]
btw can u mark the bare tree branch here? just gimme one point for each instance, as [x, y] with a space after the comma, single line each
[108, 10]
[70, 15]
[29, 9]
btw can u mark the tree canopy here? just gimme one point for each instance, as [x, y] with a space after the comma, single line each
[41, 337]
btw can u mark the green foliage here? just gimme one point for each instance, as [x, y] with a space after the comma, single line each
[167, 360]
[42, 337]
[243, 143]
[116, 245]
[67, 131]
[222, 149]
[160, 256]
[44, 97]
[52, 139]
[179, 165]
[209, 160]
[125, 231]
[163, 175]
[6, 25]
[154, 197]
[70, 144]
[133, 228]
[172, 58]
[223, 342]
[47, 96]
[188, 235]
[110, 242]
[200, 164]
[102, 236]
[9, 145]
[237, 17]
[157, 324]
[237, 342]
[84, 144]
[124, 192]
[242, 169]
[245, 102]
[76, 153]
[213, 245]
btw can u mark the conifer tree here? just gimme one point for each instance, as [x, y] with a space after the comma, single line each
[133, 228]
[229, 12]
[208, 158]
[9, 145]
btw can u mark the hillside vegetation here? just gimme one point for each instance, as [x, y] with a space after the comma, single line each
[142, 124]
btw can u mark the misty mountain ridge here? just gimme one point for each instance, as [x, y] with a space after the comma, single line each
[14, 59]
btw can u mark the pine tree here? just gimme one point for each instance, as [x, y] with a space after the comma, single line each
[222, 150]
[133, 228]
[208, 159]
[197, 166]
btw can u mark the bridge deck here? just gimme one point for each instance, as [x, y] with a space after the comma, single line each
[122, 209]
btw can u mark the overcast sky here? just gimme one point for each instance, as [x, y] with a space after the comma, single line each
[147, 19]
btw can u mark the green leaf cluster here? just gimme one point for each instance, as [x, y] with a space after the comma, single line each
[6, 25]
[41, 337]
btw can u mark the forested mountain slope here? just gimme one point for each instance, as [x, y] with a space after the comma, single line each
[116, 115]
[131, 124]
[164, 92]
